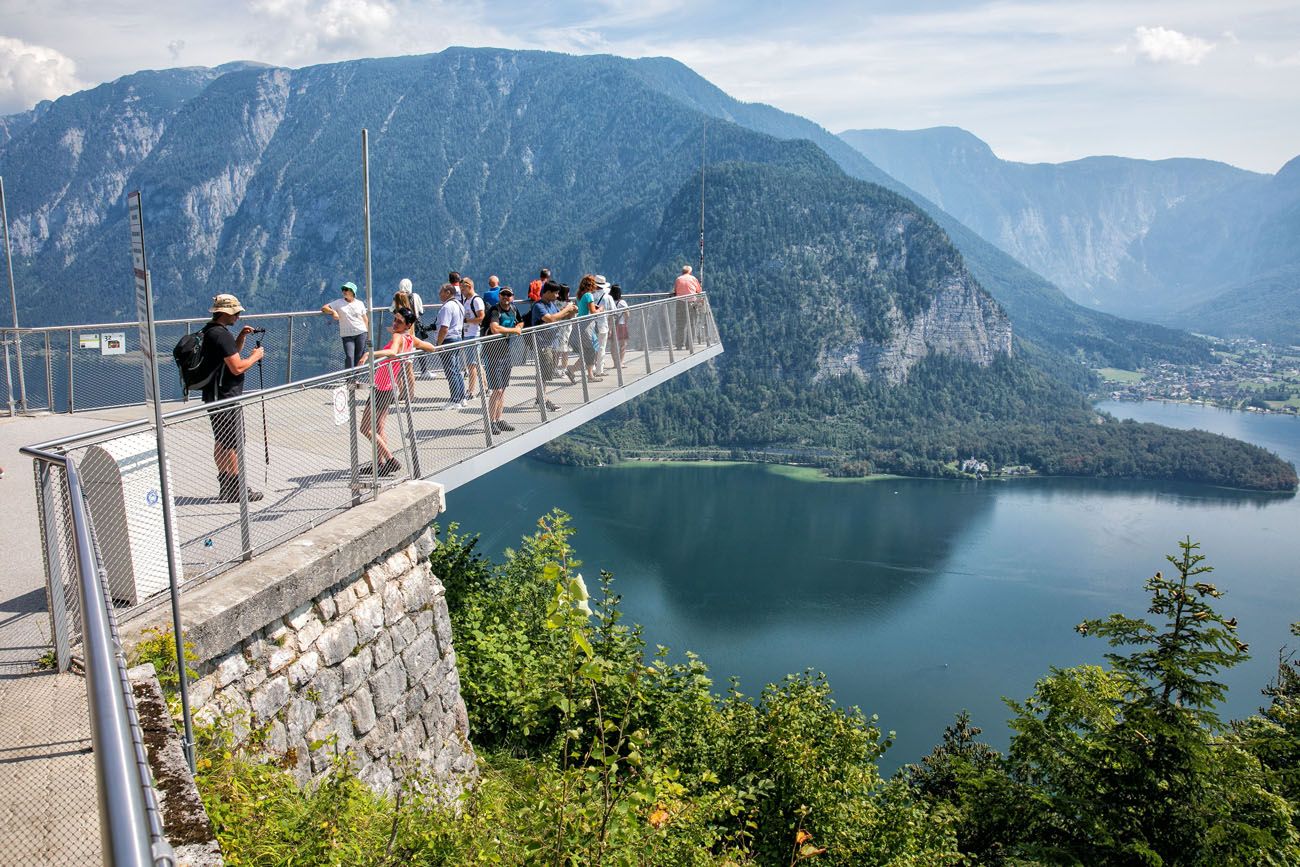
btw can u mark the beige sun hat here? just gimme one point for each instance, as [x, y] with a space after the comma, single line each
[226, 304]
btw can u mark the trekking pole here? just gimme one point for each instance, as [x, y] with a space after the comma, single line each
[266, 443]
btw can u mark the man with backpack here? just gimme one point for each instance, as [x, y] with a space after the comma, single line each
[535, 287]
[224, 365]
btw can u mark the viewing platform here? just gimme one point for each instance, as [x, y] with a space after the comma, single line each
[304, 449]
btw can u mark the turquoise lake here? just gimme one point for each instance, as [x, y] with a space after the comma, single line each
[916, 597]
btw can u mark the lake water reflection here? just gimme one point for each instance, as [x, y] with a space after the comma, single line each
[917, 597]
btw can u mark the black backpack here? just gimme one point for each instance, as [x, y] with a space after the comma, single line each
[188, 353]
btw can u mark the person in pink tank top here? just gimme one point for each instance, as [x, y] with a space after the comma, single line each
[391, 376]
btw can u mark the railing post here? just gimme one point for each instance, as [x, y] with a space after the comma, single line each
[670, 336]
[413, 455]
[49, 375]
[350, 383]
[482, 391]
[288, 368]
[645, 338]
[185, 392]
[615, 343]
[9, 380]
[537, 373]
[584, 346]
[71, 392]
[245, 528]
[55, 586]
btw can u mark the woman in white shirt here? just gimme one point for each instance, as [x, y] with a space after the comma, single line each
[354, 324]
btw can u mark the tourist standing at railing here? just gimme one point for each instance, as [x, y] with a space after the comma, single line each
[604, 305]
[392, 376]
[548, 311]
[417, 303]
[535, 287]
[493, 294]
[620, 322]
[223, 359]
[475, 310]
[686, 286]
[583, 338]
[503, 321]
[451, 324]
[354, 323]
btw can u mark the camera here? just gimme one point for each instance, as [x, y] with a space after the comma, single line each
[258, 331]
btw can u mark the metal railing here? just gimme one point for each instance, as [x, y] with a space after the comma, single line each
[66, 368]
[309, 450]
[130, 824]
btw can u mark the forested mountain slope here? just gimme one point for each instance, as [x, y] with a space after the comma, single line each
[802, 374]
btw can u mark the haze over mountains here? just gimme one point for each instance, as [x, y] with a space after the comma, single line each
[498, 161]
[1191, 242]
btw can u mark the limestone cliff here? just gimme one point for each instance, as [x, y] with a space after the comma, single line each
[962, 321]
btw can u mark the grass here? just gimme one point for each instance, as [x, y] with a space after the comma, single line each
[1118, 374]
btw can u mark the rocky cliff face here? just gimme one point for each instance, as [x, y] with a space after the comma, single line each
[961, 322]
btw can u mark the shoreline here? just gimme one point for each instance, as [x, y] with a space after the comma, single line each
[1197, 403]
[804, 473]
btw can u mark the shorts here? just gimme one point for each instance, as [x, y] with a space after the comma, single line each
[228, 427]
[622, 333]
[498, 373]
[384, 400]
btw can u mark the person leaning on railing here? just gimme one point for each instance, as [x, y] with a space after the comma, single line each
[392, 377]
[223, 355]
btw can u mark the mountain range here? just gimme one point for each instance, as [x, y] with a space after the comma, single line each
[1183, 241]
[841, 296]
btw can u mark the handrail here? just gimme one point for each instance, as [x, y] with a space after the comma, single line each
[177, 415]
[196, 320]
[129, 829]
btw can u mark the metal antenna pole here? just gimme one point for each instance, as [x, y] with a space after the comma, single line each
[370, 306]
[704, 138]
[164, 483]
[13, 299]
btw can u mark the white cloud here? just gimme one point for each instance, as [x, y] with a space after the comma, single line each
[1160, 45]
[315, 30]
[30, 73]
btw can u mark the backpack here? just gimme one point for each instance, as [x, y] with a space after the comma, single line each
[535, 290]
[188, 353]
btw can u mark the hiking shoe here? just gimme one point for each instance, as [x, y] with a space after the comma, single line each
[496, 429]
[505, 426]
[452, 404]
[233, 496]
[389, 467]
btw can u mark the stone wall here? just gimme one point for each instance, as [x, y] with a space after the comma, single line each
[338, 641]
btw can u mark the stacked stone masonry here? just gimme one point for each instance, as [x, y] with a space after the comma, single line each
[367, 667]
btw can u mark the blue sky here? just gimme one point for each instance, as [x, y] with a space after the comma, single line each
[1040, 81]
